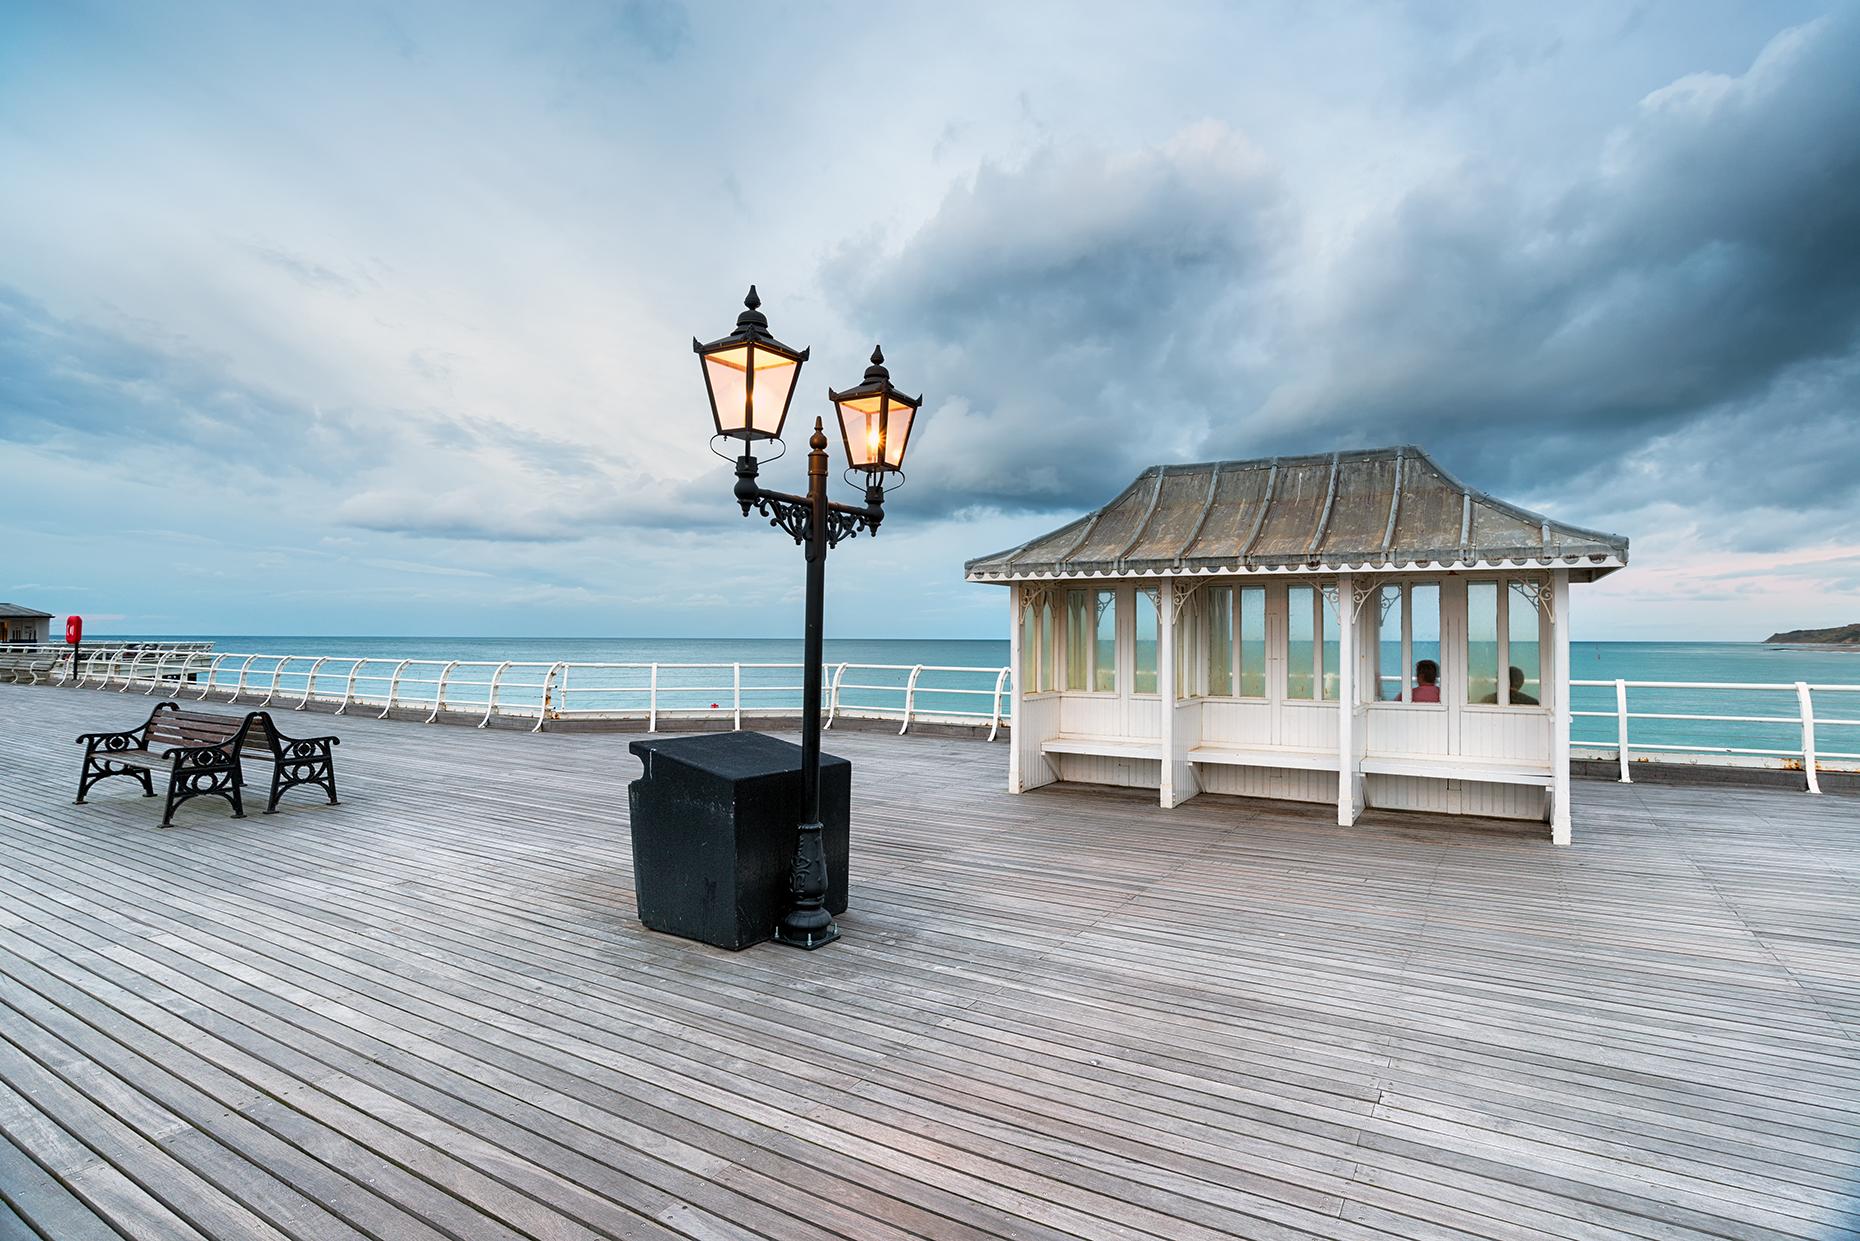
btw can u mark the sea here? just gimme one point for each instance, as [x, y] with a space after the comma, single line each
[1769, 719]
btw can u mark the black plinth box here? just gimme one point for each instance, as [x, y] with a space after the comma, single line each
[714, 820]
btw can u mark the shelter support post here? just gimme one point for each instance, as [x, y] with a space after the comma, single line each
[1349, 768]
[1017, 661]
[1559, 732]
[1181, 725]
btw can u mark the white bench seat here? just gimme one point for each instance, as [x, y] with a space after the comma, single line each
[1458, 767]
[1301, 758]
[1102, 747]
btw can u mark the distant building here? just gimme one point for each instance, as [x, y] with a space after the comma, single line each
[19, 624]
[1356, 627]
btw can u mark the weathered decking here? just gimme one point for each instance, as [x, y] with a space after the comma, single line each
[429, 1012]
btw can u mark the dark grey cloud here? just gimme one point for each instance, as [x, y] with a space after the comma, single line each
[1075, 309]
[1715, 246]
[1088, 314]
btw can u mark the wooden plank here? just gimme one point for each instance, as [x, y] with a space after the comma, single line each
[1066, 1013]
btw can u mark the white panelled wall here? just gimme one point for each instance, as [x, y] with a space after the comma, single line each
[1346, 743]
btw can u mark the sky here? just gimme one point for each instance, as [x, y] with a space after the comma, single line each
[375, 318]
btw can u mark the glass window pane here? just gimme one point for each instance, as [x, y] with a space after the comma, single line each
[1221, 641]
[1526, 686]
[1046, 646]
[1424, 641]
[1253, 641]
[1105, 667]
[1029, 650]
[1078, 639]
[1387, 674]
[1327, 613]
[1301, 650]
[1482, 642]
[1148, 625]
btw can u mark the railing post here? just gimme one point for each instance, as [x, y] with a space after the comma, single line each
[348, 687]
[736, 703]
[439, 695]
[652, 701]
[548, 686]
[393, 688]
[310, 685]
[994, 725]
[239, 687]
[833, 699]
[213, 670]
[910, 693]
[490, 705]
[1808, 735]
[1621, 729]
[277, 678]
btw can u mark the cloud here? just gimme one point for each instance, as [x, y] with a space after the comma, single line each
[1712, 249]
[1074, 309]
[1690, 297]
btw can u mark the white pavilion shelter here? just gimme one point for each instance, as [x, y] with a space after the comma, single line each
[1352, 627]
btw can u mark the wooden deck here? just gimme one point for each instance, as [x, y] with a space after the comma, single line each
[429, 1012]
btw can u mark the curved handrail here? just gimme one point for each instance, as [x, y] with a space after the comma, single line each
[548, 684]
[393, 688]
[310, 684]
[995, 723]
[348, 689]
[833, 697]
[439, 694]
[910, 694]
[491, 706]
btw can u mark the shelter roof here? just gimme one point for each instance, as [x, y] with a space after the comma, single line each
[13, 610]
[1381, 510]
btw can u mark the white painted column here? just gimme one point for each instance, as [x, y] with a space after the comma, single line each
[1016, 734]
[1349, 771]
[1559, 738]
[1165, 687]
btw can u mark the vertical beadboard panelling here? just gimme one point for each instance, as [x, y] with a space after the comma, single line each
[1408, 728]
[1505, 732]
[1498, 801]
[1039, 720]
[1309, 725]
[1091, 715]
[1278, 782]
[1229, 722]
[1136, 773]
[1145, 718]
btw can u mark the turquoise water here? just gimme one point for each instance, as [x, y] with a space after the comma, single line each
[1737, 662]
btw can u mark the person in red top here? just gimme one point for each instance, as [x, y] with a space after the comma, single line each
[1426, 674]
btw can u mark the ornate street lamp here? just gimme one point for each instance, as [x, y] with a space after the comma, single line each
[750, 378]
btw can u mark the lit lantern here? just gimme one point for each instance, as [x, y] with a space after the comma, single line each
[875, 420]
[750, 376]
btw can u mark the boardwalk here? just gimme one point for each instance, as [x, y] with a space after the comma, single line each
[430, 1013]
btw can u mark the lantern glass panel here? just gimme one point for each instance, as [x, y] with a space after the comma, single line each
[775, 376]
[729, 391]
[897, 432]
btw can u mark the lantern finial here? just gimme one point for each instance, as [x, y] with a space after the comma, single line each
[877, 369]
[753, 317]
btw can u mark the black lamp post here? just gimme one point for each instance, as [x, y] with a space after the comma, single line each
[750, 378]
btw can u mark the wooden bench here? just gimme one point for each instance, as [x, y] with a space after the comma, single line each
[203, 754]
[294, 760]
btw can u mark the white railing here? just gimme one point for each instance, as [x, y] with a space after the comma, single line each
[550, 692]
[1681, 738]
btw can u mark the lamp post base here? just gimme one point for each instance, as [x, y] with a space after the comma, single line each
[807, 924]
[807, 939]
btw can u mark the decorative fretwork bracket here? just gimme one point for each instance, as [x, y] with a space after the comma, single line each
[1542, 594]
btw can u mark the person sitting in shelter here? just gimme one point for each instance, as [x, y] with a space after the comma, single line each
[1518, 697]
[1426, 676]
